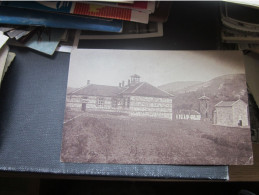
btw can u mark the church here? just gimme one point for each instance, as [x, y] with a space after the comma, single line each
[231, 113]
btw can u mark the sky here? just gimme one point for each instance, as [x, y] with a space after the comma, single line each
[110, 67]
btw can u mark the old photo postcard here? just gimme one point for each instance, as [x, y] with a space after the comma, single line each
[157, 107]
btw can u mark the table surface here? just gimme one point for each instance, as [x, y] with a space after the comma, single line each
[246, 173]
[32, 100]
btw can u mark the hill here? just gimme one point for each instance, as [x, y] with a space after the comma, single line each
[175, 86]
[223, 88]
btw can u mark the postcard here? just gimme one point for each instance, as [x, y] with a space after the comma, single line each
[157, 107]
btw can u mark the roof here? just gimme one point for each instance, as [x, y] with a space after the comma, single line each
[189, 112]
[227, 103]
[98, 90]
[139, 89]
[145, 89]
[135, 75]
[204, 98]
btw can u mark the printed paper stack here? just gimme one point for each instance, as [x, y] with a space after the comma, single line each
[38, 24]
[240, 25]
[136, 12]
[6, 57]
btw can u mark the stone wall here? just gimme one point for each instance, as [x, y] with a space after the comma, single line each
[240, 112]
[91, 103]
[74, 103]
[224, 116]
[133, 105]
[231, 116]
[151, 107]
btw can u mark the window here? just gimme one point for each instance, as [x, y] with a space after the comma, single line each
[83, 108]
[84, 99]
[100, 102]
[128, 102]
[124, 102]
[120, 101]
[114, 102]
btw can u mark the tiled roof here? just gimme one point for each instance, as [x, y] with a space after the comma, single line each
[141, 89]
[225, 103]
[98, 90]
[145, 89]
[135, 75]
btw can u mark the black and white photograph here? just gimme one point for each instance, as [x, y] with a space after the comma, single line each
[157, 107]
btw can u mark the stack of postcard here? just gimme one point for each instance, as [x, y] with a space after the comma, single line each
[41, 25]
[6, 57]
[240, 25]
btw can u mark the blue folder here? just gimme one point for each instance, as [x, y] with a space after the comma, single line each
[10, 15]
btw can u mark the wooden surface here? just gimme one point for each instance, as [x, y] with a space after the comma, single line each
[246, 173]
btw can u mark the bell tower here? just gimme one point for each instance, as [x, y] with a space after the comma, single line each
[135, 79]
[204, 106]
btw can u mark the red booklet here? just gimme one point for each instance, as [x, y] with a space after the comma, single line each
[105, 11]
[144, 6]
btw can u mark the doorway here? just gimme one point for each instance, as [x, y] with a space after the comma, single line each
[83, 107]
[240, 123]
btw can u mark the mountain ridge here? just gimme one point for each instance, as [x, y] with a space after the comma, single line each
[223, 88]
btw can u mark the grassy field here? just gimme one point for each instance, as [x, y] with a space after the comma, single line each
[102, 138]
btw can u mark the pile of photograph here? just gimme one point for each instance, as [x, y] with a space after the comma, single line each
[50, 26]
[241, 25]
